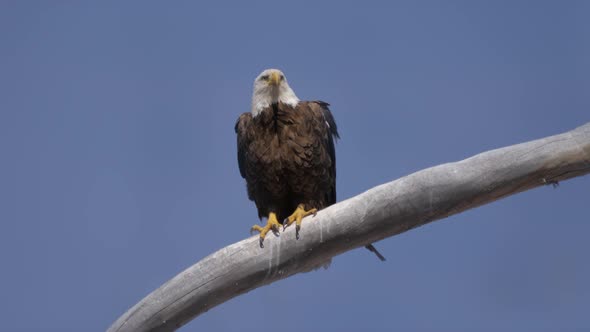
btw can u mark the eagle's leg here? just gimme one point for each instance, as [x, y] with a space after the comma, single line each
[297, 216]
[271, 224]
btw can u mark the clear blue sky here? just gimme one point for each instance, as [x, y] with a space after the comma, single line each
[118, 158]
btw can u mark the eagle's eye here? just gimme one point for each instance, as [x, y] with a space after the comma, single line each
[282, 77]
[264, 78]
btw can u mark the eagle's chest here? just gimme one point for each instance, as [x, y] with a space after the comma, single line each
[282, 137]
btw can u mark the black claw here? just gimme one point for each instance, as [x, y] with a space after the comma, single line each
[285, 221]
[297, 227]
[275, 230]
[261, 242]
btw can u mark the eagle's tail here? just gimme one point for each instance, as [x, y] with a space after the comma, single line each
[375, 251]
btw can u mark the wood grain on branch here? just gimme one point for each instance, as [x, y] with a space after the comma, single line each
[380, 212]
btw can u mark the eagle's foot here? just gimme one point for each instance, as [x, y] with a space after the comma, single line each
[272, 224]
[296, 218]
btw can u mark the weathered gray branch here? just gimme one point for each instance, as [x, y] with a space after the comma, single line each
[383, 211]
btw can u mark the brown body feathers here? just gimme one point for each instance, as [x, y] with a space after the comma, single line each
[286, 154]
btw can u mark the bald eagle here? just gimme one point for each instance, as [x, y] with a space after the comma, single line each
[286, 154]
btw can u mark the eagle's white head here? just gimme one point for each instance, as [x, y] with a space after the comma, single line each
[271, 87]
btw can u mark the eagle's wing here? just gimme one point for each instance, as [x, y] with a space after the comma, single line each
[332, 134]
[242, 129]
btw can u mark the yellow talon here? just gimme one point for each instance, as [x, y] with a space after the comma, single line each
[271, 224]
[297, 216]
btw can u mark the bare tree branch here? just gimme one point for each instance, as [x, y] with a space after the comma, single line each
[383, 211]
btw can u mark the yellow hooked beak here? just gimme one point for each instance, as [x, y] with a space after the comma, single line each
[274, 79]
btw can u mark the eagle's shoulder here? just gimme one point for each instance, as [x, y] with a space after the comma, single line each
[321, 109]
[243, 121]
[314, 105]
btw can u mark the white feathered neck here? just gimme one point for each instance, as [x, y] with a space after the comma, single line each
[266, 94]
